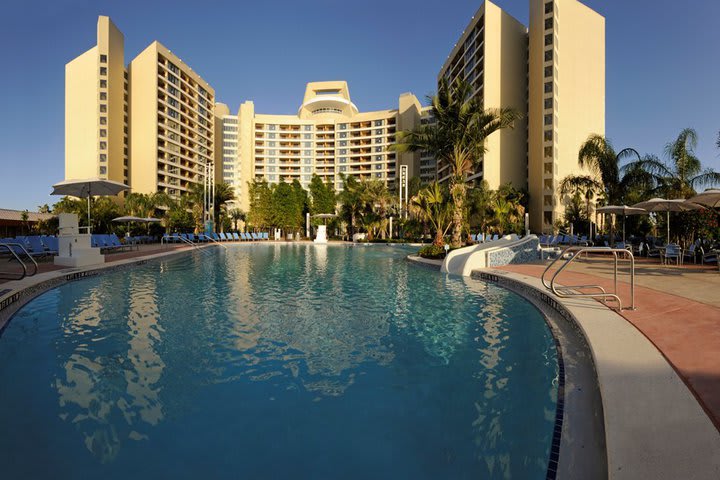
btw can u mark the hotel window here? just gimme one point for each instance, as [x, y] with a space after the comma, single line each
[307, 136]
[378, 140]
[548, 135]
[103, 120]
[307, 152]
[342, 126]
[272, 177]
[378, 175]
[103, 95]
[103, 157]
[307, 161]
[378, 157]
[378, 123]
[549, 7]
[173, 91]
[271, 127]
[378, 149]
[343, 151]
[103, 71]
[271, 144]
[103, 83]
[343, 135]
[378, 167]
[271, 135]
[103, 145]
[379, 131]
[548, 23]
[343, 168]
[548, 87]
[103, 170]
[548, 39]
[103, 58]
[103, 132]
[103, 108]
[548, 152]
[548, 103]
[548, 71]
[548, 55]
[307, 144]
[308, 127]
[343, 159]
[548, 120]
[307, 169]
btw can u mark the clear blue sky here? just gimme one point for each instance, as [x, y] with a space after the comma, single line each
[663, 72]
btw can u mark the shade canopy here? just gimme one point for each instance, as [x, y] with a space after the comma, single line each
[664, 205]
[128, 219]
[324, 215]
[709, 198]
[151, 220]
[87, 188]
[622, 210]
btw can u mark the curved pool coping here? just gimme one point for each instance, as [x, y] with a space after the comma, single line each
[654, 426]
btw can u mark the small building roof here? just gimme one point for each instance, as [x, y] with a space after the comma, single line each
[16, 215]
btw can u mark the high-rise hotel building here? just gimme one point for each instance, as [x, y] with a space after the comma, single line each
[554, 73]
[328, 137]
[150, 125]
[156, 125]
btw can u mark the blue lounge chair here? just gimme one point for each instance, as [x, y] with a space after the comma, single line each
[672, 252]
[254, 236]
[52, 245]
[36, 247]
[223, 237]
[236, 237]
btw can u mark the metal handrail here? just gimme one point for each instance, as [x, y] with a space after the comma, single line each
[19, 260]
[573, 252]
[213, 240]
[185, 240]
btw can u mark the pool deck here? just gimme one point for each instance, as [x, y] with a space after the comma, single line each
[677, 309]
[644, 361]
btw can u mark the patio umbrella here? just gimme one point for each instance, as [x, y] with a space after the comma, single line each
[710, 198]
[623, 210]
[663, 205]
[128, 219]
[87, 188]
[325, 216]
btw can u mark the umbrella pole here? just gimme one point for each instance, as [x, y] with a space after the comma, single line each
[88, 212]
[623, 229]
[668, 226]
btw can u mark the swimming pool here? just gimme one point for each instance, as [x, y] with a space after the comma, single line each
[277, 361]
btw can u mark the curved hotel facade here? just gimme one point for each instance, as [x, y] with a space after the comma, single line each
[156, 125]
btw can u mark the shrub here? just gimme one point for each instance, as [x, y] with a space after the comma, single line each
[432, 251]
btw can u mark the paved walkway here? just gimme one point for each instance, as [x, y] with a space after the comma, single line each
[678, 310]
[47, 265]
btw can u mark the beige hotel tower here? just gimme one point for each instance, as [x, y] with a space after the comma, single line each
[156, 125]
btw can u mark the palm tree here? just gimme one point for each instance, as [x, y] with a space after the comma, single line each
[583, 185]
[456, 138]
[430, 205]
[237, 215]
[683, 175]
[598, 156]
[351, 201]
[378, 201]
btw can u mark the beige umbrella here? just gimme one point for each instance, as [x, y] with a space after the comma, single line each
[87, 188]
[622, 210]
[710, 198]
[664, 205]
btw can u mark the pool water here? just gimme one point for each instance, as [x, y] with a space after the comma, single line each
[277, 361]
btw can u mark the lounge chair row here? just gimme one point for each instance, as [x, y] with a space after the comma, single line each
[564, 240]
[482, 238]
[108, 243]
[35, 245]
[217, 237]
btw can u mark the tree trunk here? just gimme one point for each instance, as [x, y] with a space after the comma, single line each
[458, 194]
[439, 241]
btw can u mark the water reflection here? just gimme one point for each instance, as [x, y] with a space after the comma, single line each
[141, 352]
[109, 382]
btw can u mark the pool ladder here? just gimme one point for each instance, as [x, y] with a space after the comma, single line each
[597, 292]
[16, 250]
[164, 241]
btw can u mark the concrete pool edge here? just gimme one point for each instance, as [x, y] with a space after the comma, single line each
[654, 426]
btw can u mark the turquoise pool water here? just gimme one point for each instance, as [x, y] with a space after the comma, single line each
[268, 361]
